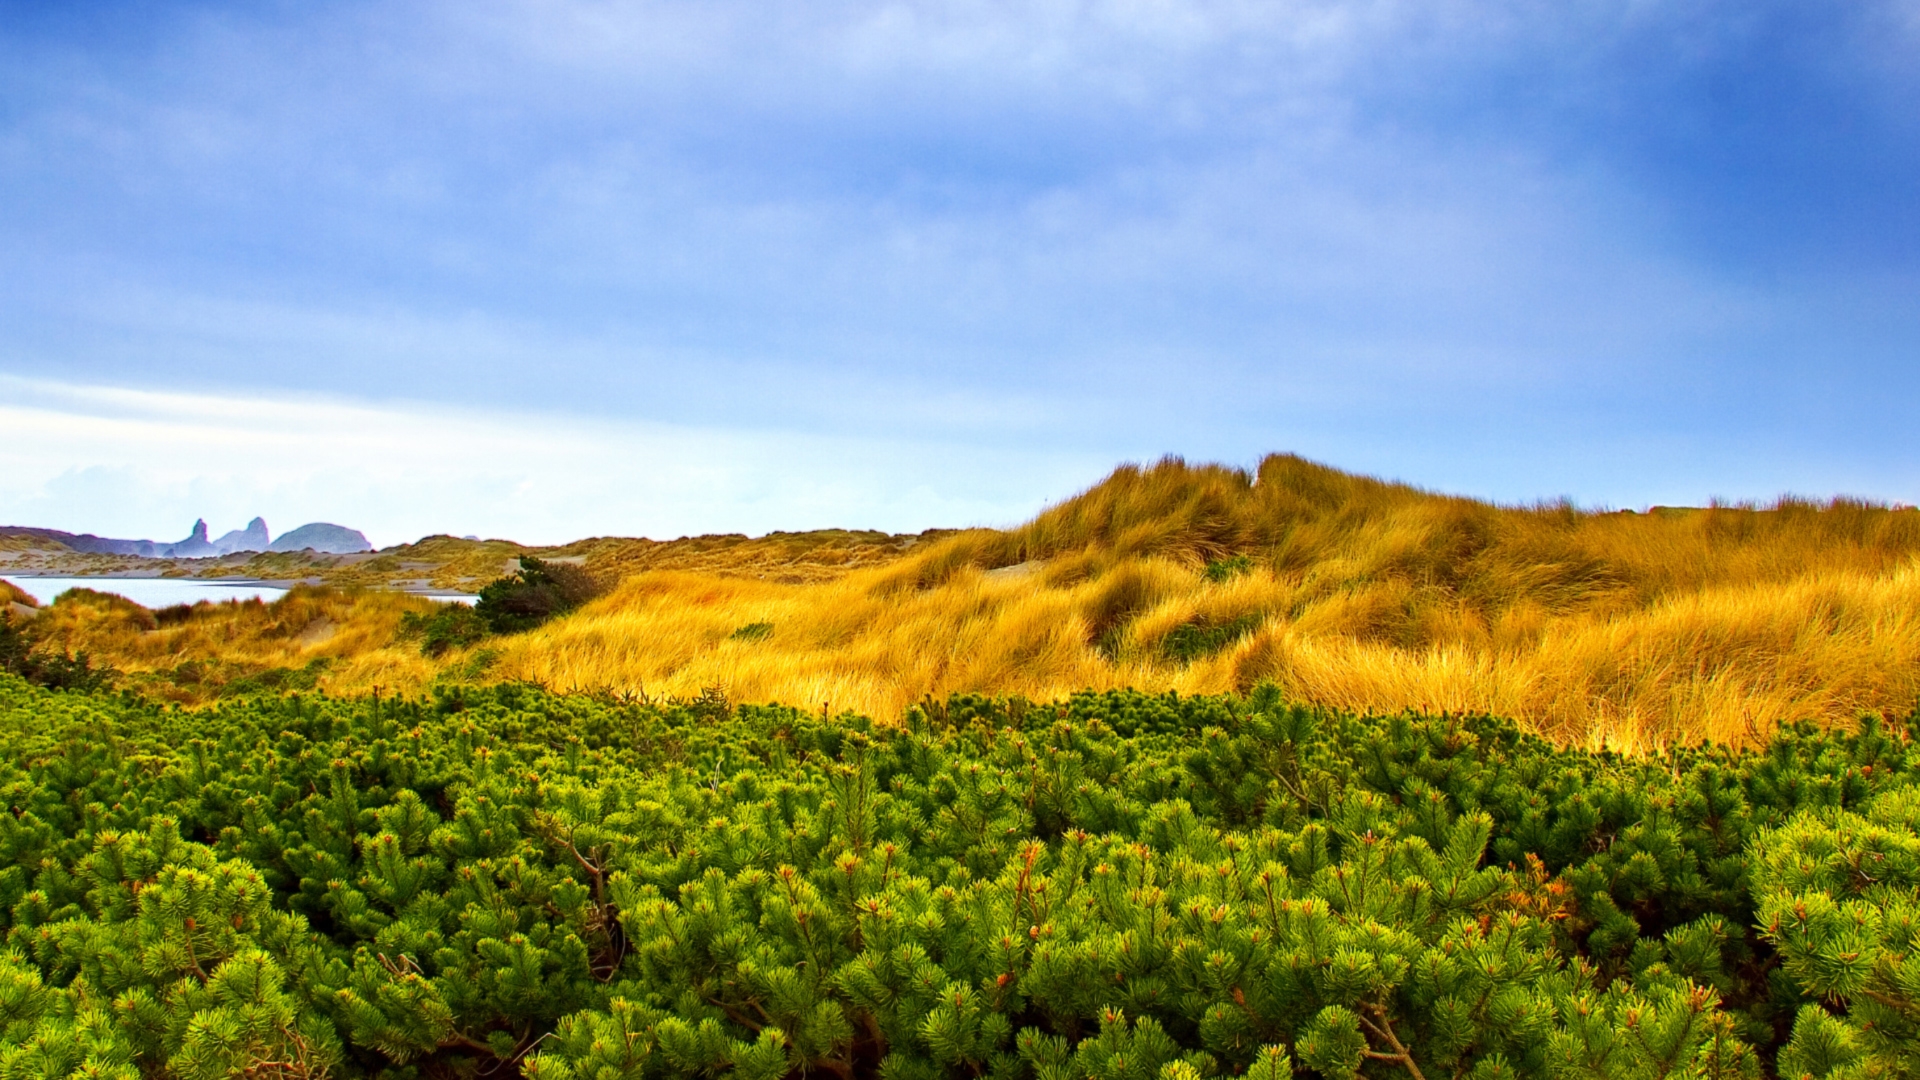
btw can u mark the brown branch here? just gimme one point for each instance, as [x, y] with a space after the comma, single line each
[1384, 1029]
[193, 956]
[736, 1015]
[600, 920]
[837, 1068]
[597, 873]
[1897, 1004]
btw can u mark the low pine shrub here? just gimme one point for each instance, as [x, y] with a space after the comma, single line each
[538, 591]
[1117, 885]
[451, 626]
[1839, 895]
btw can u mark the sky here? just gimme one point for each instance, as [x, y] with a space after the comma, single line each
[557, 269]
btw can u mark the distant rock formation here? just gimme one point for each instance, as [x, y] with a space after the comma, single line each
[323, 538]
[194, 546]
[252, 538]
[319, 536]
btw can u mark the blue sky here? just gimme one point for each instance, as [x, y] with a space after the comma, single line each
[554, 269]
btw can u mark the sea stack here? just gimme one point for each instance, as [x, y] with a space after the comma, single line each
[194, 546]
[252, 538]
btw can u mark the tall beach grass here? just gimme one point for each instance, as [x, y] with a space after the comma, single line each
[1624, 630]
[1603, 629]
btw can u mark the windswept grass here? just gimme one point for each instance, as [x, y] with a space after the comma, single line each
[309, 639]
[1614, 630]
[13, 594]
[1604, 629]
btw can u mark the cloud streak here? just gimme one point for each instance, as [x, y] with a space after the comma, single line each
[126, 462]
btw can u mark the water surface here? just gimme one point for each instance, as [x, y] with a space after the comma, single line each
[157, 593]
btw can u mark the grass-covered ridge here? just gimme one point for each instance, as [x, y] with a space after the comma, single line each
[1117, 886]
[460, 564]
[309, 638]
[1627, 630]
[1601, 629]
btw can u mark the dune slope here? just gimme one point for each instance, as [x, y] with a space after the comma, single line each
[1618, 630]
[1604, 629]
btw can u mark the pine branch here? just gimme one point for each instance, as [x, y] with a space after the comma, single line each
[1384, 1029]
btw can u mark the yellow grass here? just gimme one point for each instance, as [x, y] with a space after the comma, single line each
[334, 640]
[1622, 630]
[14, 594]
[1602, 629]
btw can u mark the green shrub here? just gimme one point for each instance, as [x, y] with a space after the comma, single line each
[1117, 885]
[1839, 897]
[281, 679]
[538, 591]
[450, 626]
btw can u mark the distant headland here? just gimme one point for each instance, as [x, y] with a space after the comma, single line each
[320, 537]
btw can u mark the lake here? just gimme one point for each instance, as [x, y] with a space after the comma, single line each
[157, 593]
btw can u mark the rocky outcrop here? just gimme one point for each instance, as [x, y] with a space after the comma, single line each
[323, 538]
[252, 538]
[194, 546]
[320, 536]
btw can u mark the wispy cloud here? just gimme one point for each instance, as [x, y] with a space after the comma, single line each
[126, 462]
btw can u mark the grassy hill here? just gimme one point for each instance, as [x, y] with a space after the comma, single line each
[1615, 629]
[1601, 629]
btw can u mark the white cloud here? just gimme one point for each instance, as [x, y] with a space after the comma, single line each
[140, 463]
[1070, 230]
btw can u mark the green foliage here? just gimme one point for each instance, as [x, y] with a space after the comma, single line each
[1840, 899]
[538, 591]
[1116, 886]
[52, 669]
[450, 626]
[1194, 640]
[753, 631]
[280, 680]
[1220, 570]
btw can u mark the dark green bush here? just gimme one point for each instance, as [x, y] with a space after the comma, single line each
[450, 626]
[538, 591]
